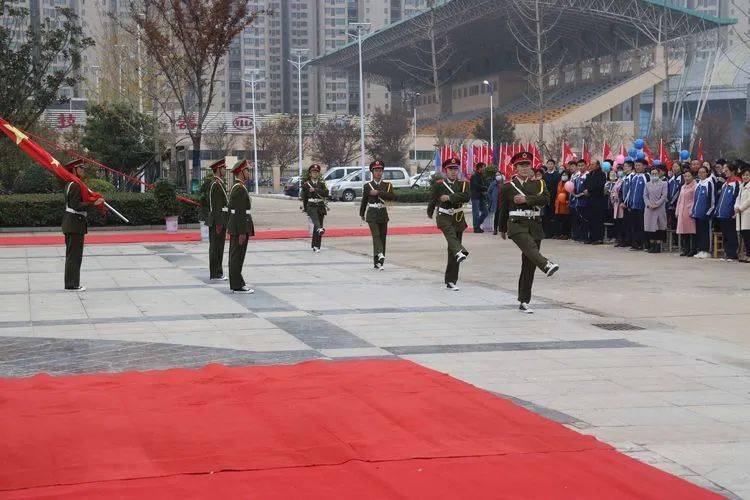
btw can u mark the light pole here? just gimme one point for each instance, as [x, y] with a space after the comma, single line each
[414, 107]
[361, 27]
[492, 127]
[252, 81]
[298, 64]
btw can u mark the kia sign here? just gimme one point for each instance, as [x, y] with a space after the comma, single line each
[243, 123]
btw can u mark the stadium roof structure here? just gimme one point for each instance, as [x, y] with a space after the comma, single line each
[590, 28]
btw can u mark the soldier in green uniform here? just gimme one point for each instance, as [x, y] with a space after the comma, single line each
[521, 200]
[314, 194]
[448, 196]
[240, 226]
[374, 212]
[218, 216]
[75, 227]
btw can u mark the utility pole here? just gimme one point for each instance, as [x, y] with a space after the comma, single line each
[361, 28]
[253, 81]
[298, 65]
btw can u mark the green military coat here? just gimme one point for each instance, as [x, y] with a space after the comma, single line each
[218, 214]
[537, 196]
[240, 220]
[320, 193]
[385, 193]
[74, 222]
[458, 193]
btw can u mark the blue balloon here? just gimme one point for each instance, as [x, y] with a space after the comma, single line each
[657, 163]
[640, 156]
[632, 152]
[606, 166]
[638, 143]
[684, 155]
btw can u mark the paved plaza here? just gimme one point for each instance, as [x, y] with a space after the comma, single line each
[647, 353]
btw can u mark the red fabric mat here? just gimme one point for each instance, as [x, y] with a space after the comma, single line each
[104, 238]
[384, 429]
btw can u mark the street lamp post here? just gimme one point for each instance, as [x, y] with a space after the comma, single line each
[492, 127]
[414, 107]
[299, 64]
[252, 72]
[361, 27]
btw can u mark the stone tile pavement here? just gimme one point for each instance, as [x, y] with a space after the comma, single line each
[666, 399]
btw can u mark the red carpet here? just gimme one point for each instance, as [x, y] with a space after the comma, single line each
[103, 238]
[360, 429]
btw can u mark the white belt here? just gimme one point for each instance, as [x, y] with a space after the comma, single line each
[225, 209]
[70, 210]
[449, 211]
[376, 205]
[314, 200]
[525, 213]
[233, 211]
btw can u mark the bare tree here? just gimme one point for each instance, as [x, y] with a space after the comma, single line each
[186, 40]
[335, 142]
[389, 132]
[716, 135]
[595, 133]
[277, 144]
[540, 51]
[220, 139]
[453, 134]
[432, 52]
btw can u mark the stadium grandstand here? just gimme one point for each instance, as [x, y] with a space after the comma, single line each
[609, 56]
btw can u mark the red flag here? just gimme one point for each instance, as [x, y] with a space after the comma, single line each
[44, 159]
[664, 156]
[585, 153]
[606, 151]
[567, 154]
[623, 151]
[649, 153]
[464, 160]
[699, 154]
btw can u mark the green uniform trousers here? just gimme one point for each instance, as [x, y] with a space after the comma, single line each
[317, 220]
[73, 258]
[236, 261]
[453, 237]
[216, 242]
[379, 232]
[530, 260]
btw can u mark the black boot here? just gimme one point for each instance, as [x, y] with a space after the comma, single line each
[657, 247]
[651, 247]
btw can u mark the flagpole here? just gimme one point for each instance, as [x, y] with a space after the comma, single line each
[116, 212]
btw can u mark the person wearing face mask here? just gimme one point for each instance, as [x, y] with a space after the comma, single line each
[627, 229]
[742, 209]
[683, 209]
[562, 208]
[703, 212]
[493, 193]
[551, 178]
[618, 209]
[655, 213]
[636, 205]
[580, 212]
[673, 191]
[725, 212]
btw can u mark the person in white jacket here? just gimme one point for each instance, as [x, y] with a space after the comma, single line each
[742, 210]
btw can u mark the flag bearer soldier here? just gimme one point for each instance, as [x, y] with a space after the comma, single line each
[521, 200]
[218, 216]
[74, 227]
[314, 195]
[374, 212]
[448, 197]
[240, 226]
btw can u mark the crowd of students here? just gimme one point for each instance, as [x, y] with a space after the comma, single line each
[642, 202]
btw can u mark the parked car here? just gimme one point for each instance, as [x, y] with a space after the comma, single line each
[421, 180]
[350, 187]
[336, 173]
[291, 188]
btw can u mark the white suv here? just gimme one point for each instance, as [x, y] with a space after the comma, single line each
[336, 173]
[350, 187]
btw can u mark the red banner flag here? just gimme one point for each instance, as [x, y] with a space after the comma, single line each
[606, 151]
[649, 153]
[664, 156]
[45, 160]
[567, 154]
[585, 154]
[623, 151]
[699, 154]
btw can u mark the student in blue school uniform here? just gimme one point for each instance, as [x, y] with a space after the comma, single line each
[703, 212]
[636, 204]
[725, 211]
[627, 224]
[674, 184]
[580, 214]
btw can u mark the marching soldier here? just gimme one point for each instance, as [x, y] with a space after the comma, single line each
[240, 226]
[374, 212]
[448, 196]
[314, 194]
[218, 216]
[521, 200]
[75, 227]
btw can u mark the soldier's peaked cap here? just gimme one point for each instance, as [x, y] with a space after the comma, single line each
[451, 163]
[376, 164]
[239, 166]
[73, 164]
[218, 164]
[521, 157]
[312, 167]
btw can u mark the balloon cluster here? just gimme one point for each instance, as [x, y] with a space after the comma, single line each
[636, 152]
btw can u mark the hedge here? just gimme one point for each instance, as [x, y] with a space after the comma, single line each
[37, 210]
[412, 195]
